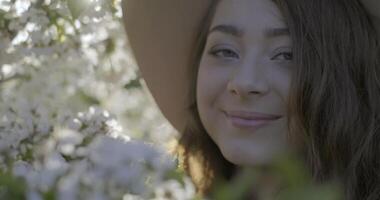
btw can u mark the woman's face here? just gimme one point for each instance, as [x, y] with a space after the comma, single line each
[243, 81]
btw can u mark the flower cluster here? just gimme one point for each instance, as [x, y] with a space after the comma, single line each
[86, 157]
[58, 58]
[69, 55]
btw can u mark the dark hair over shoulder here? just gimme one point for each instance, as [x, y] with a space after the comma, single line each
[334, 104]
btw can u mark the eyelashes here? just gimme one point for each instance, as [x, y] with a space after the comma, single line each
[230, 54]
[287, 55]
[224, 53]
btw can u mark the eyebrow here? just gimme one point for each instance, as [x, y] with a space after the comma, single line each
[237, 32]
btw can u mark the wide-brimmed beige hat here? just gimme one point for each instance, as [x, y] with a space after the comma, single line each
[162, 34]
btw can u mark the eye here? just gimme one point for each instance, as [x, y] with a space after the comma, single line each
[288, 56]
[224, 53]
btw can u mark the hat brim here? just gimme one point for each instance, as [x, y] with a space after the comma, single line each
[161, 34]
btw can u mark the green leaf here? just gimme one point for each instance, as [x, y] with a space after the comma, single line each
[77, 7]
[177, 175]
[292, 171]
[133, 84]
[87, 98]
[49, 195]
[12, 187]
[328, 191]
[237, 188]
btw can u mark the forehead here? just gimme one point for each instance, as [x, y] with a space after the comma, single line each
[248, 14]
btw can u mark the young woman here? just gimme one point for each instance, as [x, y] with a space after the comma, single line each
[244, 81]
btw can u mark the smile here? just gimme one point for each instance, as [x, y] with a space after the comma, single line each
[243, 122]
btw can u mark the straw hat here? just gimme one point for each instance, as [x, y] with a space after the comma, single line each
[162, 34]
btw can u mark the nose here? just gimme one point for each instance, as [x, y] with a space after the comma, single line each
[248, 80]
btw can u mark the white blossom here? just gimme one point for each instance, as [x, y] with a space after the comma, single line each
[73, 112]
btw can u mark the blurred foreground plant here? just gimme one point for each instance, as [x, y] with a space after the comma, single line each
[286, 179]
[84, 157]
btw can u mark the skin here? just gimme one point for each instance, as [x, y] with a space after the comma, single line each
[248, 72]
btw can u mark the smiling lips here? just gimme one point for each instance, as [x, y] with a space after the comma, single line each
[250, 120]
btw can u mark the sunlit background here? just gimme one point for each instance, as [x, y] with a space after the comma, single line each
[76, 122]
[66, 56]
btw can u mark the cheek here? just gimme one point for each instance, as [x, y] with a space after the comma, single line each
[280, 81]
[210, 85]
[203, 92]
[282, 86]
[209, 89]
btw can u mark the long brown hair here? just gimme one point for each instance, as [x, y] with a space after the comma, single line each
[334, 102]
[335, 94]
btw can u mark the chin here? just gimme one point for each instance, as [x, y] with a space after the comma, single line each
[246, 159]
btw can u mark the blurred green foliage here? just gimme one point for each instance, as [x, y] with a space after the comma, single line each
[286, 179]
[11, 187]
